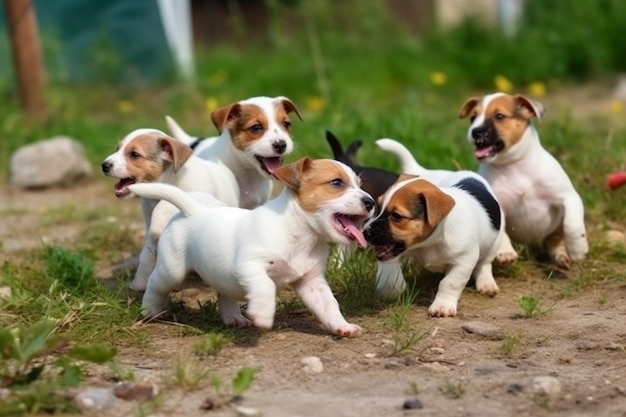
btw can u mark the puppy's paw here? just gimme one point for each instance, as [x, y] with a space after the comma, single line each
[442, 309]
[348, 330]
[155, 312]
[237, 321]
[561, 259]
[138, 285]
[506, 257]
[578, 250]
[487, 287]
[263, 322]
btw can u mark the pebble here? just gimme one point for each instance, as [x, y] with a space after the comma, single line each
[483, 329]
[312, 365]
[547, 385]
[586, 345]
[515, 389]
[134, 392]
[413, 404]
[247, 411]
[393, 364]
[436, 367]
[95, 399]
[370, 355]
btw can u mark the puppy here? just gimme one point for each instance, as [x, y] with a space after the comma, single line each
[149, 155]
[538, 198]
[375, 181]
[455, 228]
[255, 135]
[247, 255]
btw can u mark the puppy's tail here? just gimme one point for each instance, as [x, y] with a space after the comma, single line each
[167, 192]
[406, 159]
[178, 132]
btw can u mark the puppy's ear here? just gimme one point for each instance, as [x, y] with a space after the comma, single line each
[529, 108]
[467, 107]
[351, 151]
[290, 107]
[438, 205]
[221, 116]
[290, 174]
[174, 151]
[403, 177]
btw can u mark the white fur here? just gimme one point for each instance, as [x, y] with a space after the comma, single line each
[535, 194]
[408, 164]
[247, 255]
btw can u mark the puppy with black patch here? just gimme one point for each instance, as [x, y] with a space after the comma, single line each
[247, 255]
[537, 197]
[454, 227]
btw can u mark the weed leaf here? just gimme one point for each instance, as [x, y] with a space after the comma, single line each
[36, 340]
[243, 380]
[7, 345]
[92, 353]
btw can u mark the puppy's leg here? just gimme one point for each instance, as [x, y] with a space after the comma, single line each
[231, 313]
[574, 228]
[390, 282]
[168, 274]
[261, 297]
[451, 287]
[319, 299]
[483, 273]
[555, 244]
[147, 259]
[506, 252]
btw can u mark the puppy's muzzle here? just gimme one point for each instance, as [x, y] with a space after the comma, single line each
[280, 146]
[368, 203]
[106, 167]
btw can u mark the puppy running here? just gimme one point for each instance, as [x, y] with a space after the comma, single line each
[537, 197]
[255, 135]
[246, 255]
[454, 228]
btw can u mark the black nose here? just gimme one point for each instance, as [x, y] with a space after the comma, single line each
[478, 132]
[368, 202]
[106, 166]
[279, 146]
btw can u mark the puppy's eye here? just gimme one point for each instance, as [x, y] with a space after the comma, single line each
[395, 216]
[257, 128]
[472, 118]
[134, 154]
[287, 125]
[337, 182]
[499, 116]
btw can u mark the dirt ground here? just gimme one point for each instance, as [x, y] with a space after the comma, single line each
[580, 341]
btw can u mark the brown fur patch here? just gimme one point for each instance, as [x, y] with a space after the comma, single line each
[249, 126]
[149, 155]
[470, 108]
[419, 207]
[512, 126]
[311, 180]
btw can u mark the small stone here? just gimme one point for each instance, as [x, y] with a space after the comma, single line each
[370, 355]
[134, 392]
[437, 350]
[5, 292]
[586, 345]
[95, 399]
[483, 329]
[247, 411]
[547, 385]
[436, 367]
[413, 404]
[312, 365]
[393, 364]
[515, 389]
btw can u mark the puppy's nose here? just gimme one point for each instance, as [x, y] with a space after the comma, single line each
[478, 132]
[279, 146]
[368, 203]
[106, 166]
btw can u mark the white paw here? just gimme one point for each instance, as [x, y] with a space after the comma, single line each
[506, 257]
[442, 309]
[263, 321]
[577, 249]
[487, 287]
[154, 311]
[236, 321]
[138, 284]
[348, 330]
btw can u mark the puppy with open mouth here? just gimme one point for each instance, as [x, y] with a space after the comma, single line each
[255, 136]
[454, 227]
[538, 198]
[247, 255]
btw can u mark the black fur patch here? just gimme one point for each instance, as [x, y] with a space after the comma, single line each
[478, 190]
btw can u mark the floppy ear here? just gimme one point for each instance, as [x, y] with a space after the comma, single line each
[529, 108]
[438, 205]
[221, 116]
[290, 174]
[467, 107]
[175, 151]
[290, 107]
[351, 151]
[403, 177]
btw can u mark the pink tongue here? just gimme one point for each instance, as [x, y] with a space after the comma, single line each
[271, 164]
[352, 230]
[482, 153]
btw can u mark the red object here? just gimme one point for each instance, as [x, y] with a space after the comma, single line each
[616, 179]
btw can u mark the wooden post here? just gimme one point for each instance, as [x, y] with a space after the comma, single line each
[26, 53]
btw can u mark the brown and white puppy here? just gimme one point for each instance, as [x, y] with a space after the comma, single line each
[539, 201]
[149, 155]
[247, 255]
[255, 135]
[454, 228]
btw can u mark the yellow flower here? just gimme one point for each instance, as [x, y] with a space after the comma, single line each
[210, 104]
[124, 106]
[537, 89]
[315, 103]
[503, 84]
[616, 106]
[218, 78]
[438, 78]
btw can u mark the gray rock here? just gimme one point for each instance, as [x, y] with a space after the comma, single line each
[486, 330]
[312, 365]
[547, 386]
[56, 161]
[413, 404]
[95, 399]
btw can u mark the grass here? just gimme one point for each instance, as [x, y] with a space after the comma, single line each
[531, 306]
[511, 344]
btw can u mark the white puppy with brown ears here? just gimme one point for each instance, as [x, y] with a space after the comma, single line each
[247, 255]
[538, 198]
[149, 155]
[454, 227]
[255, 135]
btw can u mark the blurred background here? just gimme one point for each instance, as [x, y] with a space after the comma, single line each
[361, 68]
